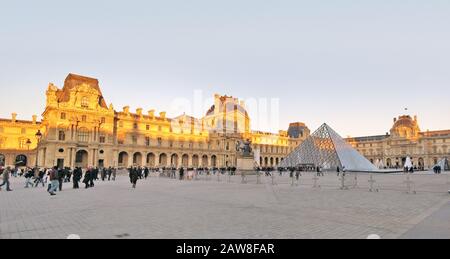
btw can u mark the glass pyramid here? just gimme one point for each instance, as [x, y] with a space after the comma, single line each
[325, 148]
[444, 164]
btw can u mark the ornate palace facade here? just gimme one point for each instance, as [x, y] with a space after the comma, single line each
[405, 139]
[79, 129]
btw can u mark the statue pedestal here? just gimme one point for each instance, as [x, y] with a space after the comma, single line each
[245, 164]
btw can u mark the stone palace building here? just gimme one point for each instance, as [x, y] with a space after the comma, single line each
[78, 128]
[405, 139]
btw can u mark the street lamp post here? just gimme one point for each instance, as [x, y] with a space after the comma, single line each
[38, 138]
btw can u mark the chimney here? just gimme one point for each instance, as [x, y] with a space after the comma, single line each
[139, 112]
[34, 119]
[126, 109]
[151, 114]
[395, 120]
[162, 115]
[14, 117]
[216, 104]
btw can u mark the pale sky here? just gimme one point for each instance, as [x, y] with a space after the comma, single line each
[352, 64]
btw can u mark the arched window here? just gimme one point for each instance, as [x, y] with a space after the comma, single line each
[2, 160]
[83, 135]
[21, 160]
[85, 102]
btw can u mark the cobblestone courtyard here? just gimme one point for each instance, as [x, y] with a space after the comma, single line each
[207, 208]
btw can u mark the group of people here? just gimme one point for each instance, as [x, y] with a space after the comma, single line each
[408, 169]
[55, 177]
[437, 169]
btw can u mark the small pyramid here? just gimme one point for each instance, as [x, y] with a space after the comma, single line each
[325, 148]
[443, 163]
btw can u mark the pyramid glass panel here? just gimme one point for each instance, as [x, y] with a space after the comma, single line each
[325, 148]
[444, 164]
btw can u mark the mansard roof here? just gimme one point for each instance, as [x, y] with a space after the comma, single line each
[73, 80]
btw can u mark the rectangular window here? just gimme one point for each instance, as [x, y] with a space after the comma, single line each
[135, 126]
[84, 118]
[85, 102]
[61, 135]
[102, 139]
[103, 120]
[159, 141]
[147, 141]
[147, 127]
[63, 115]
[83, 136]
[22, 144]
[24, 131]
[134, 138]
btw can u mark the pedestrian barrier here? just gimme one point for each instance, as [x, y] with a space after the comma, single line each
[416, 183]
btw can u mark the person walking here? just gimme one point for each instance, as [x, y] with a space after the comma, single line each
[61, 176]
[54, 181]
[39, 178]
[6, 176]
[109, 172]
[87, 178]
[146, 172]
[114, 174]
[134, 176]
[181, 173]
[103, 174]
[29, 178]
[77, 175]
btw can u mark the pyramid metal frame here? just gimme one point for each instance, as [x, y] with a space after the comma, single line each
[325, 148]
[443, 163]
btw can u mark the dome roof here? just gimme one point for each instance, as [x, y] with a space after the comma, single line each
[405, 121]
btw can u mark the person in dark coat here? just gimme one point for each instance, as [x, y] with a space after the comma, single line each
[134, 176]
[95, 176]
[146, 172]
[69, 173]
[61, 176]
[89, 178]
[181, 173]
[109, 172]
[77, 175]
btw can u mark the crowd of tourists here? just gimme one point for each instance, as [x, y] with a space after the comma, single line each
[54, 178]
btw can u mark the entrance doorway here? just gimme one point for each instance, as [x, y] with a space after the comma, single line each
[81, 159]
[60, 163]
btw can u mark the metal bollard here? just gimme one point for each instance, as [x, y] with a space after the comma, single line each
[244, 179]
[371, 183]
[409, 185]
[343, 187]
[315, 179]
